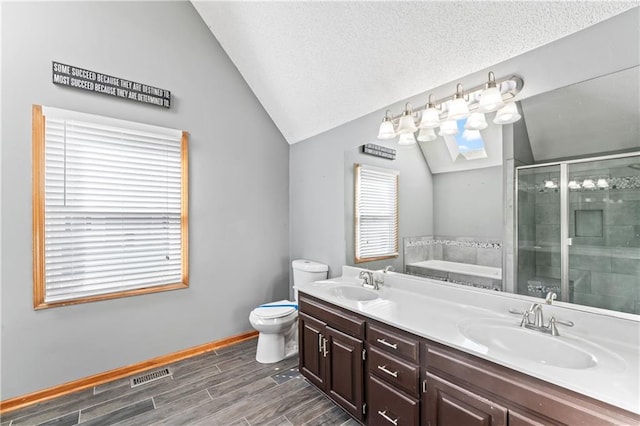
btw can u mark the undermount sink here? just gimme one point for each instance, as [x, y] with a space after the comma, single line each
[557, 351]
[359, 294]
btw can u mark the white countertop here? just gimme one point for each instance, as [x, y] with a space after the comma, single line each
[438, 311]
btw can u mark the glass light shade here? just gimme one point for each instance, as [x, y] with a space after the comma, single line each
[407, 139]
[458, 109]
[427, 135]
[476, 121]
[406, 124]
[430, 119]
[448, 128]
[386, 130]
[550, 184]
[490, 100]
[574, 185]
[588, 183]
[507, 114]
[602, 183]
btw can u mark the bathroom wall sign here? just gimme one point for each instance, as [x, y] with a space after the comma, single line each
[91, 81]
[379, 151]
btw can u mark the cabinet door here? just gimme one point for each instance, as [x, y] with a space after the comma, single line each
[447, 404]
[312, 358]
[345, 383]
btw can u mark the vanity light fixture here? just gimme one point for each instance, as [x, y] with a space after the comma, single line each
[476, 121]
[490, 98]
[407, 123]
[602, 183]
[458, 107]
[550, 184]
[574, 185]
[427, 135]
[448, 128]
[407, 139]
[507, 114]
[430, 116]
[387, 131]
[473, 103]
[588, 184]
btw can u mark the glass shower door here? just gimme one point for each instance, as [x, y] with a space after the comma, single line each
[539, 231]
[603, 265]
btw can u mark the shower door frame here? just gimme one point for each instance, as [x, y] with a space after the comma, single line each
[565, 240]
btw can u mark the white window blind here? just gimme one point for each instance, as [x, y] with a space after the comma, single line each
[112, 206]
[376, 208]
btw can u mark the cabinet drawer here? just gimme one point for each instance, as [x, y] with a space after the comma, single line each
[332, 315]
[388, 407]
[394, 370]
[393, 342]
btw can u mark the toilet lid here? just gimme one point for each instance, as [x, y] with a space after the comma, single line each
[275, 311]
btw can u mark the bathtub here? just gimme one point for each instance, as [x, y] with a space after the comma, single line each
[459, 273]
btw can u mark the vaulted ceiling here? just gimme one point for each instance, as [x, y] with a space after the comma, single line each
[317, 65]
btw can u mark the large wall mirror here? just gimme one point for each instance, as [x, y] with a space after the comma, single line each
[560, 211]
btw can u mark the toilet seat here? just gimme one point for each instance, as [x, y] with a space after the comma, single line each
[267, 312]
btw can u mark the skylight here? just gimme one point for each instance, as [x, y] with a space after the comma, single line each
[470, 143]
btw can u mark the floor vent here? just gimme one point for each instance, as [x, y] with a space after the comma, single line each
[150, 377]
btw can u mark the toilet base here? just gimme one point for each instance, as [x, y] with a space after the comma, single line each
[271, 348]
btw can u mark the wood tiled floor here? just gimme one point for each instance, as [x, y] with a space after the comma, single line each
[225, 387]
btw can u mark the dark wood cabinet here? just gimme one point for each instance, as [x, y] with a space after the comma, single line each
[344, 378]
[410, 380]
[310, 347]
[447, 404]
[331, 352]
[393, 376]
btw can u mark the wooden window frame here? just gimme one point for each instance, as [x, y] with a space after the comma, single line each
[38, 225]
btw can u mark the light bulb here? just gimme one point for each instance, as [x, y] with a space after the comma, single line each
[507, 114]
[386, 130]
[407, 124]
[490, 100]
[448, 128]
[427, 135]
[430, 119]
[407, 139]
[476, 121]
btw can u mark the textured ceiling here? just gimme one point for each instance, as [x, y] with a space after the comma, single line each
[317, 65]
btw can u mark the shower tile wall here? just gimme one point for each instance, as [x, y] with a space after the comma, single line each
[604, 260]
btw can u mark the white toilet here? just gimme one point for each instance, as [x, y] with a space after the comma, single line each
[277, 322]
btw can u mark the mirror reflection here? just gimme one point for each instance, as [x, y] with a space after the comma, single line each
[555, 206]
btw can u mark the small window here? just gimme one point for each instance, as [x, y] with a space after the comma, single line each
[109, 208]
[376, 213]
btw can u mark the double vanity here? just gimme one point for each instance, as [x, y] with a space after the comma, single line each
[414, 351]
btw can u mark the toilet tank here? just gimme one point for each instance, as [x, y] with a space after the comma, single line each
[307, 271]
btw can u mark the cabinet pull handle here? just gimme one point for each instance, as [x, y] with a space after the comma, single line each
[384, 342]
[324, 347]
[389, 372]
[387, 418]
[320, 342]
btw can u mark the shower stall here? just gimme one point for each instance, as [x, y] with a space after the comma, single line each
[578, 231]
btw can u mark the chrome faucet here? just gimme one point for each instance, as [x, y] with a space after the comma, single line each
[538, 320]
[371, 280]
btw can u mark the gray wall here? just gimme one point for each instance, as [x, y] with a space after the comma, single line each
[239, 254]
[415, 193]
[468, 203]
